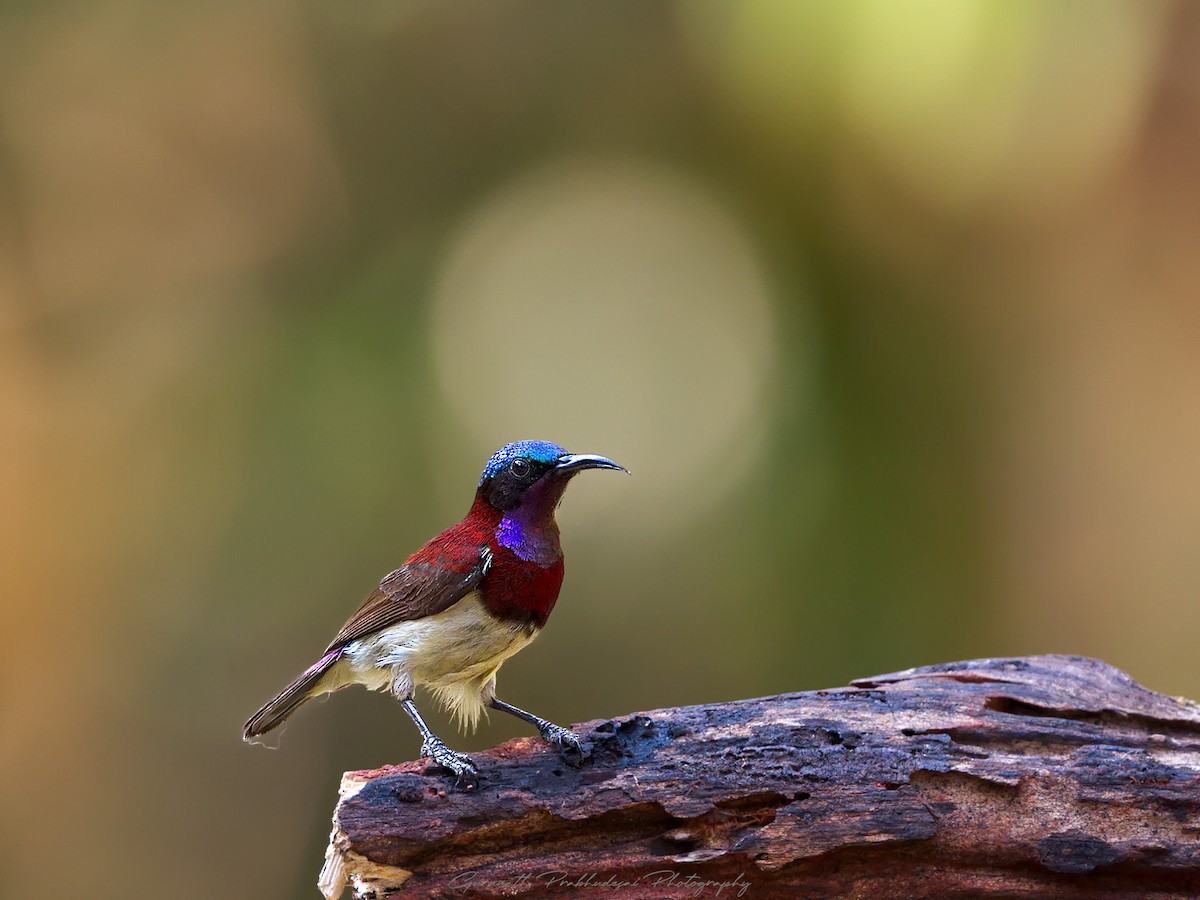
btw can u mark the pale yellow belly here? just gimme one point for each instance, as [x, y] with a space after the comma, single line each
[455, 654]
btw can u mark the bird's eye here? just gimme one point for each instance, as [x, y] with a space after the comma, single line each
[519, 467]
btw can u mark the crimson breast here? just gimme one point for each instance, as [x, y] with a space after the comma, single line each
[520, 589]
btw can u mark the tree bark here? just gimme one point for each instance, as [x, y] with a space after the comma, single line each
[1034, 777]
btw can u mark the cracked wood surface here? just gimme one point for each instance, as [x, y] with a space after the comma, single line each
[1031, 777]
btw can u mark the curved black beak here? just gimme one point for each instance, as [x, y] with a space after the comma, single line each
[577, 462]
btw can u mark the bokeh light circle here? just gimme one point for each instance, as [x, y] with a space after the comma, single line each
[615, 307]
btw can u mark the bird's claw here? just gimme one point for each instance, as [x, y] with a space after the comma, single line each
[573, 750]
[466, 775]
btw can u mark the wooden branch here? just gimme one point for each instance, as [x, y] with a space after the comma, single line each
[1043, 776]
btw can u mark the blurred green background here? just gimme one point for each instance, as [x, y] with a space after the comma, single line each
[891, 308]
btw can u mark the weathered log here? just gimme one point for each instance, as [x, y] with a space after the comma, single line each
[1042, 776]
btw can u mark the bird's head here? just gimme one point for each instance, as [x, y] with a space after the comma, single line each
[532, 475]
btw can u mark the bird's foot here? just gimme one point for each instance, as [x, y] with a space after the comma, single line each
[465, 773]
[574, 751]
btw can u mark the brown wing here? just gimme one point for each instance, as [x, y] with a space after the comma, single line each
[428, 583]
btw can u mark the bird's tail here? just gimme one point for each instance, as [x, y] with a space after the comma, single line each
[289, 699]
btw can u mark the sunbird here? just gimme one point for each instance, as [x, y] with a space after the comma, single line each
[460, 606]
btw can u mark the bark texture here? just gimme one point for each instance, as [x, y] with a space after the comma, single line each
[1033, 777]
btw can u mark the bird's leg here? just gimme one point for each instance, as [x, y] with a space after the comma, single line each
[465, 773]
[573, 749]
